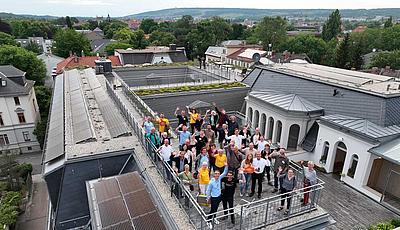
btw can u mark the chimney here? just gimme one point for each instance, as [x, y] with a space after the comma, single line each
[76, 58]
[70, 53]
[82, 53]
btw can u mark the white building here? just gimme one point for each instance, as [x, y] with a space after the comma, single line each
[19, 112]
[347, 122]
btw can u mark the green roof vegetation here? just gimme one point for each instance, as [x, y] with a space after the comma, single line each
[145, 92]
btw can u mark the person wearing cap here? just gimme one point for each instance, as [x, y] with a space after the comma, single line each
[281, 161]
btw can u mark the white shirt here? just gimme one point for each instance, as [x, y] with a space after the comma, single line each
[255, 139]
[166, 152]
[261, 145]
[259, 164]
[238, 140]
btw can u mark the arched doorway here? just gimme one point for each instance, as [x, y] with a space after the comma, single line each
[256, 118]
[340, 156]
[294, 132]
[278, 131]
[270, 127]
[250, 115]
[263, 123]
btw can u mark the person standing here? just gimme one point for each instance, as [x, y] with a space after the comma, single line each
[193, 116]
[187, 177]
[259, 165]
[246, 133]
[234, 157]
[163, 123]
[154, 137]
[147, 125]
[222, 133]
[182, 118]
[232, 125]
[183, 134]
[200, 141]
[228, 192]
[288, 184]
[222, 117]
[210, 134]
[166, 152]
[237, 139]
[248, 170]
[220, 160]
[261, 143]
[310, 179]
[281, 161]
[204, 178]
[256, 137]
[213, 120]
[214, 190]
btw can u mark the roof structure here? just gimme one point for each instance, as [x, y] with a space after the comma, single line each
[233, 43]
[362, 126]
[122, 202]
[215, 51]
[11, 71]
[287, 102]
[16, 82]
[87, 61]
[365, 82]
[150, 49]
[199, 104]
[245, 54]
[389, 151]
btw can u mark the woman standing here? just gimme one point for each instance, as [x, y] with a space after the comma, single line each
[288, 184]
[193, 117]
[187, 177]
[248, 170]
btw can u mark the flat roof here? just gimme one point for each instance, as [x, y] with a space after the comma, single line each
[365, 82]
[84, 119]
[150, 49]
[122, 202]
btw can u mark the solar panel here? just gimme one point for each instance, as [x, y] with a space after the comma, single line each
[151, 221]
[106, 190]
[127, 225]
[82, 128]
[139, 203]
[55, 135]
[130, 184]
[113, 211]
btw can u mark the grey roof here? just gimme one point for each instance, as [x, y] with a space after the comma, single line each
[215, 51]
[54, 147]
[11, 71]
[199, 104]
[362, 126]
[389, 151]
[97, 29]
[288, 102]
[98, 45]
[178, 57]
[233, 42]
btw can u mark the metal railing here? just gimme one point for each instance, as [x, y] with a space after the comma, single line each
[249, 215]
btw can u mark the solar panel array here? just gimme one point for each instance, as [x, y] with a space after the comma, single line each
[82, 128]
[115, 122]
[55, 135]
[124, 203]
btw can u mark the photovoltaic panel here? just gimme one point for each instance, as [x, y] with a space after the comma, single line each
[113, 211]
[151, 221]
[139, 203]
[127, 225]
[55, 136]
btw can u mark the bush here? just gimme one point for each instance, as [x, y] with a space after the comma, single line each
[386, 226]
[24, 170]
[395, 223]
[9, 208]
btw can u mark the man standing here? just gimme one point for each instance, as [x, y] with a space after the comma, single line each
[222, 133]
[234, 157]
[259, 165]
[147, 125]
[237, 139]
[210, 134]
[281, 161]
[166, 152]
[310, 179]
[154, 137]
[232, 125]
[182, 118]
[200, 140]
[214, 191]
[222, 117]
[163, 123]
[183, 135]
[228, 191]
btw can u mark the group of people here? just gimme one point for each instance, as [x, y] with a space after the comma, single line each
[219, 156]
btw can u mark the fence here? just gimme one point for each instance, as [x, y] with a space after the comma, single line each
[249, 215]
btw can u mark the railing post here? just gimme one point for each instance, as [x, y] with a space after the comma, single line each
[241, 217]
[266, 213]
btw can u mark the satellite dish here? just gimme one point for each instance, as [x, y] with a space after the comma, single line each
[256, 58]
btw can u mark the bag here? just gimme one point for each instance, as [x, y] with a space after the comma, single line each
[202, 200]
[196, 175]
[191, 187]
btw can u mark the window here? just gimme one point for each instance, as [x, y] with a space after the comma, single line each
[21, 118]
[4, 140]
[16, 101]
[26, 136]
[353, 166]
[325, 151]
[29, 148]
[1, 120]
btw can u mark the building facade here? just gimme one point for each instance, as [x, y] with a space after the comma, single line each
[19, 112]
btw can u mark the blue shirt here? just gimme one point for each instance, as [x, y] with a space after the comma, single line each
[203, 158]
[147, 126]
[183, 136]
[214, 187]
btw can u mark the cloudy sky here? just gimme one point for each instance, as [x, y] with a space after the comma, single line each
[126, 7]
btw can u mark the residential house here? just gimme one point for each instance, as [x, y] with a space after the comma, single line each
[43, 44]
[152, 55]
[51, 61]
[19, 112]
[347, 122]
[244, 57]
[85, 62]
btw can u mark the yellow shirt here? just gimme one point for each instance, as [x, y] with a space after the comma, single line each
[220, 160]
[193, 118]
[204, 177]
[162, 123]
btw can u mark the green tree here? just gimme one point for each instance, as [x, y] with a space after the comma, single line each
[238, 31]
[117, 45]
[356, 60]
[6, 39]
[138, 40]
[9, 208]
[387, 58]
[315, 48]
[331, 28]
[343, 53]
[43, 97]
[123, 35]
[5, 27]
[271, 30]
[148, 25]
[68, 22]
[109, 28]
[24, 60]
[69, 40]
[389, 22]
[32, 28]
[33, 47]
[159, 38]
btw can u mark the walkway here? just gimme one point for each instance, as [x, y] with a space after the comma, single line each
[350, 208]
[35, 215]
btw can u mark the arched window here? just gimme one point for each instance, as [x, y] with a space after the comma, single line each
[270, 127]
[263, 123]
[278, 131]
[353, 166]
[325, 151]
[250, 114]
[256, 118]
[293, 138]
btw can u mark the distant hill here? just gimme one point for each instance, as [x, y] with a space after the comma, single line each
[4, 15]
[243, 13]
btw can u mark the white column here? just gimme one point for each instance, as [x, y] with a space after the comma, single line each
[284, 134]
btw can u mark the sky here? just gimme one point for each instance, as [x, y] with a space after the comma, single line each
[117, 8]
